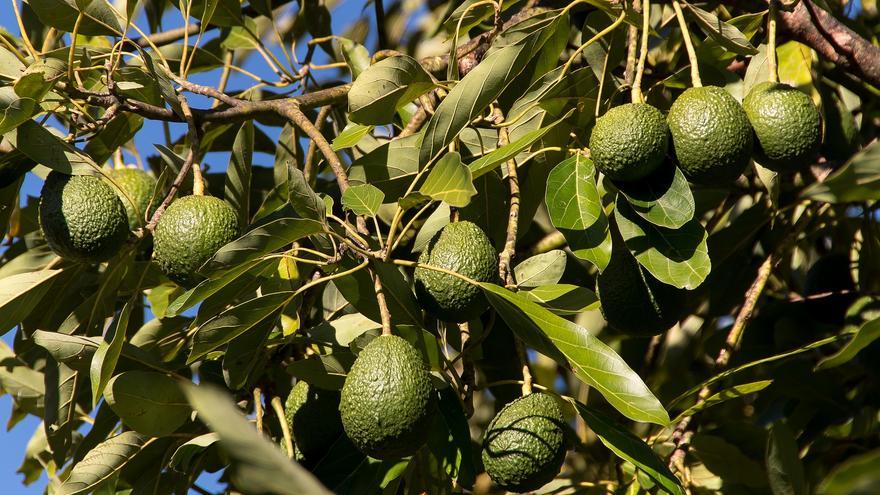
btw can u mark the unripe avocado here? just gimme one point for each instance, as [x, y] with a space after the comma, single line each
[388, 401]
[190, 231]
[139, 186]
[464, 248]
[629, 142]
[711, 135]
[787, 126]
[524, 445]
[312, 415]
[82, 218]
[632, 300]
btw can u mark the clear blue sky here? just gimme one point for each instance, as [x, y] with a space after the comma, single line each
[14, 442]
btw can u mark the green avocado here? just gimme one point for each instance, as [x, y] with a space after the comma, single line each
[388, 401]
[632, 300]
[138, 186]
[312, 415]
[464, 248]
[524, 445]
[629, 142]
[82, 218]
[190, 231]
[711, 135]
[787, 126]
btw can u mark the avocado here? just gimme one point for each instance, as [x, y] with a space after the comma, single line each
[787, 126]
[388, 401]
[82, 218]
[524, 445]
[632, 300]
[629, 142]
[711, 135]
[138, 186]
[190, 231]
[464, 248]
[312, 415]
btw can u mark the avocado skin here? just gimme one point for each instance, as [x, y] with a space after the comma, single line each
[190, 231]
[630, 141]
[632, 300]
[312, 415]
[524, 445]
[464, 248]
[82, 218]
[787, 126]
[139, 186]
[711, 135]
[388, 401]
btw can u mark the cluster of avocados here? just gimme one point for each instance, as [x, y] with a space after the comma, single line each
[87, 218]
[712, 139]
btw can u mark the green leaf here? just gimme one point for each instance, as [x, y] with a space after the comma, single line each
[350, 136]
[77, 351]
[243, 352]
[363, 199]
[238, 174]
[99, 19]
[20, 294]
[105, 358]
[592, 360]
[384, 87]
[25, 385]
[303, 199]
[864, 336]
[184, 456]
[664, 200]
[542, 269]
[357, 289]
[630, 448]
[235, 321]
[15, 109]
[39, 78]
[725, 34]
[676, 257]
[220, 12]
[727, 394]
[467, 16]
[784, 468]
[855, 476]
[507, 152]
[458, 461]
[103, 462]
[258, 465]
[261, 241]
[506, 59]
[857, 180]
[148, 402]
[728, 462]
[120, 130]
[43, 147]
[450, 180]
[355, 55]
[212, 285]
[62, 388]
[245, 36]
[563, 299]
[390, 167]
[575, 209]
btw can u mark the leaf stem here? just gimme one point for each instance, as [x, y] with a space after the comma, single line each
[72, 49]
[637, 96]
[24, 36]
[689, 45]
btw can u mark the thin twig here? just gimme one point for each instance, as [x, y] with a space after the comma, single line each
[282, 421]
[383, 304]
[308, 163]
[258, 408]
[689, 45]
[468, 376]
[380, 24]
[509, 251]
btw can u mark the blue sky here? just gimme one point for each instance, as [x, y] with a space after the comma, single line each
[15, 441]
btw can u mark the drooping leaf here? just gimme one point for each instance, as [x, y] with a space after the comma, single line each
[665, 199]
[591, 359]
[238, 173]
[855, 476]
[98, 18]
[542, 269]
[183, 457]
[107, 355]
[148, 402]
[863, 337]
[784, 468]
[25, 385]
[727, 394]
[103, 462]
[258, 466]
[576, 210]
[384, 87]
[676, 257]
[390, 167]
[43, 147]
[303, 199]
[261, 241]
[724, 33]
[14, 109]
[62, 388]
[355, 55]
[450, 180]
[20, 294]
[363, 199]
[563, 299]
[630, 448]
[212, 285]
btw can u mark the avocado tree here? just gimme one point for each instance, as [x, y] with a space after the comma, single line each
[474, 246]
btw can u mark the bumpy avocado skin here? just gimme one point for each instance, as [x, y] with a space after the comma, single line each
[190, 231]
[464, 248]
[388, 402]
[711, 135]
[312, 415]
[632, 300]
[524, 445]
[82, 218]
[138, 185]
[630, 141]
[787, 125]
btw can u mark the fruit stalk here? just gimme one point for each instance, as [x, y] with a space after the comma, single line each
[285, 428]
[637, 96]
[773, 75]
[383, 304]
[689, 45]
